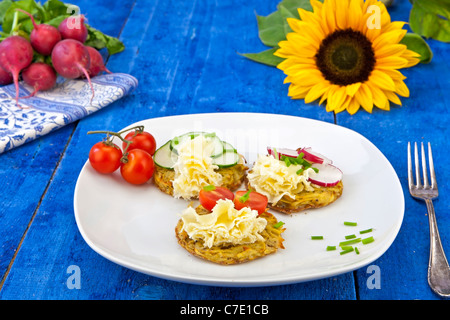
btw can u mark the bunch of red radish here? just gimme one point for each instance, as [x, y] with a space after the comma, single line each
[70, 58]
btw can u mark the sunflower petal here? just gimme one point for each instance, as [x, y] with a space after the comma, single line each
[344, 105]
[388, 38]
[392, 62]
[401, 88]
[379, 98]
[393, 97]
[341, 14]
[317, 91]
[351, 89]
[391, 50]
[382, 80]
[296, 90]
[336, 99]
[355, 16]
[353, 106]
[364, 97]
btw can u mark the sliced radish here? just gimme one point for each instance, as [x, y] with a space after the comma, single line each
[282, 152]
[327, 176]
[312, 156]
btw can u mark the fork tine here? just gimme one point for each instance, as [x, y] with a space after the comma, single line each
[424, 166]
[410, 170]
[416, 163]
[430, 162]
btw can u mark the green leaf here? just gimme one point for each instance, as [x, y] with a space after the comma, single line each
[271, 29]
[264, 57]
[99, 40]
[274, 28]
[56, 21]
[28, 5]
[56, 8]
[285, 13]
[293, 5]
[431, 19]
[416, 43]
[4, 6]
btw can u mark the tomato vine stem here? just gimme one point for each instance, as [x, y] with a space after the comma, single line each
[111, 134]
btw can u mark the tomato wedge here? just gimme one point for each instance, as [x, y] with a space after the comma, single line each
[252, 199]
[209, 195]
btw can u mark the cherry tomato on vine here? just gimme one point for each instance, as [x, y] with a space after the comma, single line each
[209, 195]
[105, 157]
[138, 167]
[252, 199]
[140, 140]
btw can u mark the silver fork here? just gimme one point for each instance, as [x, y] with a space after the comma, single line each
[438, 268]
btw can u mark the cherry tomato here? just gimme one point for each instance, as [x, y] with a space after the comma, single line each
[255, 201]
[105, 157]
[140, 140]
[139, 168]
[209, 195]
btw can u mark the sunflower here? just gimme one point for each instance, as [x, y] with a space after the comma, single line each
[340, 52]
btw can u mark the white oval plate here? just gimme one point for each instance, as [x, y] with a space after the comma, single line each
[133, 226]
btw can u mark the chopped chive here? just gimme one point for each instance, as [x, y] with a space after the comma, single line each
[345, 248]
[346, 251]
[210, 135]
[209, 188]
[245, 197]
[300, 171]
[316, 237]
[350, 236]
[315, 170]
[356, 250]
[366, 231]
[352, 224]
[300, 155]
[367, 240]
[278, 224]
[331, 248]
[287, 161]
[344, 243]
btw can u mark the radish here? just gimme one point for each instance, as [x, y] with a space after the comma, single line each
[278, 152]
[327, 176]
[312, 156]
[40, 76]
[73, 28]
[97, 63]
[43, 37]
[16, 54]
[71, 59]
[5, 77]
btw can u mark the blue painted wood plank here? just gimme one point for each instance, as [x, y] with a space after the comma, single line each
[25, 174]
[422, 118]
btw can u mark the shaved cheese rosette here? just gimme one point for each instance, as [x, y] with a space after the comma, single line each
[224, 225]
[274, 179]
[194, 168]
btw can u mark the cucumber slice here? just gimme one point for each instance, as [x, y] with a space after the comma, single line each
[164, 157]
[227, 159]
[228, 147]
[178, 141]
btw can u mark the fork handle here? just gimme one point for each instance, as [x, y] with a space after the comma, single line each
[438, 268]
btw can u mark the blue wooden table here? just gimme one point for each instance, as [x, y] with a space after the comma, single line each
[184, 54]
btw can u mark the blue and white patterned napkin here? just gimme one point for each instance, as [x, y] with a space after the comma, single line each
[48, 111]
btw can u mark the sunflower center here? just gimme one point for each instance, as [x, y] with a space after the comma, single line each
[345, 57]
